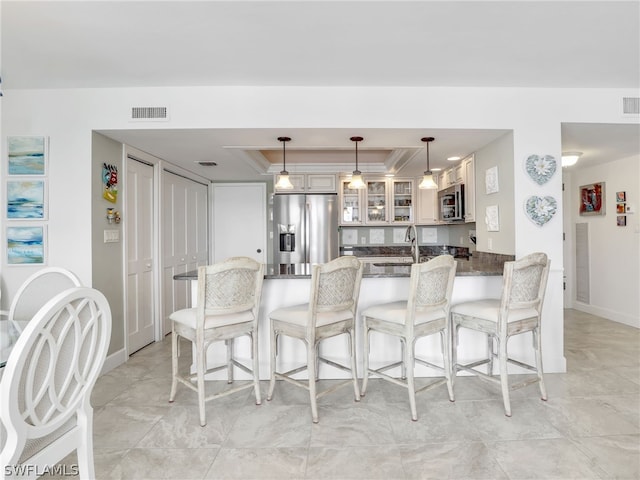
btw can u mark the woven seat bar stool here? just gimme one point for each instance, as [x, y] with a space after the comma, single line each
[331, 311]
[227, 308]
[426, 312]
[518, 311]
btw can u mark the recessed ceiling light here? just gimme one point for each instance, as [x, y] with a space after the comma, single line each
[436, 169]
[389, 174]
[453, 159]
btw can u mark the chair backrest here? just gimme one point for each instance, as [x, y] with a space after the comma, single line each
[37, 290]
[231, 286]
[335, 286]
[51, 372]
[431, 286]
[525, 282]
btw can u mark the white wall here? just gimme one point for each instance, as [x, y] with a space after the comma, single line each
[498, 153]
[68, 117]
[614, 263]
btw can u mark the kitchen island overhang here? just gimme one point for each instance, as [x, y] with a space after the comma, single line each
[389, 285]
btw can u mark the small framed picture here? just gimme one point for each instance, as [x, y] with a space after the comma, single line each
[621, 197]
[592, 199]
[621, 220]
[26, 199]
[621, 207]
[26, 155]
[26, 245]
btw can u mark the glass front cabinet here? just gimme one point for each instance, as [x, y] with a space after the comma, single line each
[383, 201]
[351, 201]
[402, 201]
[376, 193]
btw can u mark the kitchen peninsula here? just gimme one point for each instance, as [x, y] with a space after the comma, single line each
[476, 278]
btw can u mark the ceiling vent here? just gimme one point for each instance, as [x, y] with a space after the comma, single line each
[149, 113]
[207, 164]
[631, 105]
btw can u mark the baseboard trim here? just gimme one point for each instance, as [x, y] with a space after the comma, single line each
[608, 314]
[114, 360]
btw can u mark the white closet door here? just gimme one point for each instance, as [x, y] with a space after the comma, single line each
[239, 221]
[184, 239]
[140, 256]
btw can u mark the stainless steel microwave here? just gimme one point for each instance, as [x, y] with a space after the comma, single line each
[451, 203]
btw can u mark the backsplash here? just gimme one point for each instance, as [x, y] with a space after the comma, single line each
[404, 251]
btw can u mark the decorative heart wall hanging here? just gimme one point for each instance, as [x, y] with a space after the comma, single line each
[541, 168]
[540, 209]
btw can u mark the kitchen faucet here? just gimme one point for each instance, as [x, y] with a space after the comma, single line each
[412, 236]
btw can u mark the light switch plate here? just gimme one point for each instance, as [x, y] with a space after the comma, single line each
[111, 236]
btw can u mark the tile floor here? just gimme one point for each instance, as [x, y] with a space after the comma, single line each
[589, 427]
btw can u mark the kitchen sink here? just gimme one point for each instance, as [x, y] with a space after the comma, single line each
[392, 264]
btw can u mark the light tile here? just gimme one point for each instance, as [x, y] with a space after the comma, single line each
[368, 463]
[544, 459]
[259, 463]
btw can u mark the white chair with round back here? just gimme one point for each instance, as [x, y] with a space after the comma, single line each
[45, 390]
[36, 290]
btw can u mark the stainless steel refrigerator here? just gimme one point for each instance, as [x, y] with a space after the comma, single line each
[305, 230]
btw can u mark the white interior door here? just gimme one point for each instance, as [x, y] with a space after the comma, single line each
[239, 221]
[140, 262]
[184, 239]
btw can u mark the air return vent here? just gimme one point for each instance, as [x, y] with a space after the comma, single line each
[149, 113]
[631, 105]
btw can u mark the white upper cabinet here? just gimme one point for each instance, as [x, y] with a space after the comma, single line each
[310, 182]
[351, 203]
[468, 165]
[384, 201]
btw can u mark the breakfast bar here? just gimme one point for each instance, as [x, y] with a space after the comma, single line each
[475, 278]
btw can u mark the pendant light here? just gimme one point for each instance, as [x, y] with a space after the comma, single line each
[283, 179]
[427, 182]
[356, 178]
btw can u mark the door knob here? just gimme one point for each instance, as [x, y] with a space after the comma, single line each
[259, 250]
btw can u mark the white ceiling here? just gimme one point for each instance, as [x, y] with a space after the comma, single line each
[84, 44]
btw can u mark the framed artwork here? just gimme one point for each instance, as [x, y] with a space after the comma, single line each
[26, 200]
[492, 218]
[26, 245]
[621, 220]
[491, 180]
[621, 197]
[592, 199]
[620, 208]
[26, 155]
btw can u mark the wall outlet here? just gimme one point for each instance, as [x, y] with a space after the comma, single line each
[363, 240]
[461, 240]
[489, 244]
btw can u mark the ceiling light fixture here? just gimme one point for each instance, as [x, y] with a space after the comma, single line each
[453, 159]
[283, 182]
[356, 178]
[570, 158]
[427, 182]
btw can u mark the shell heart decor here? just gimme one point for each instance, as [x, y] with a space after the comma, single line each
[541, 168]
[541, 209]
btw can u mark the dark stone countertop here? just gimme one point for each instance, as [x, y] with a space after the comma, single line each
[479, 264]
